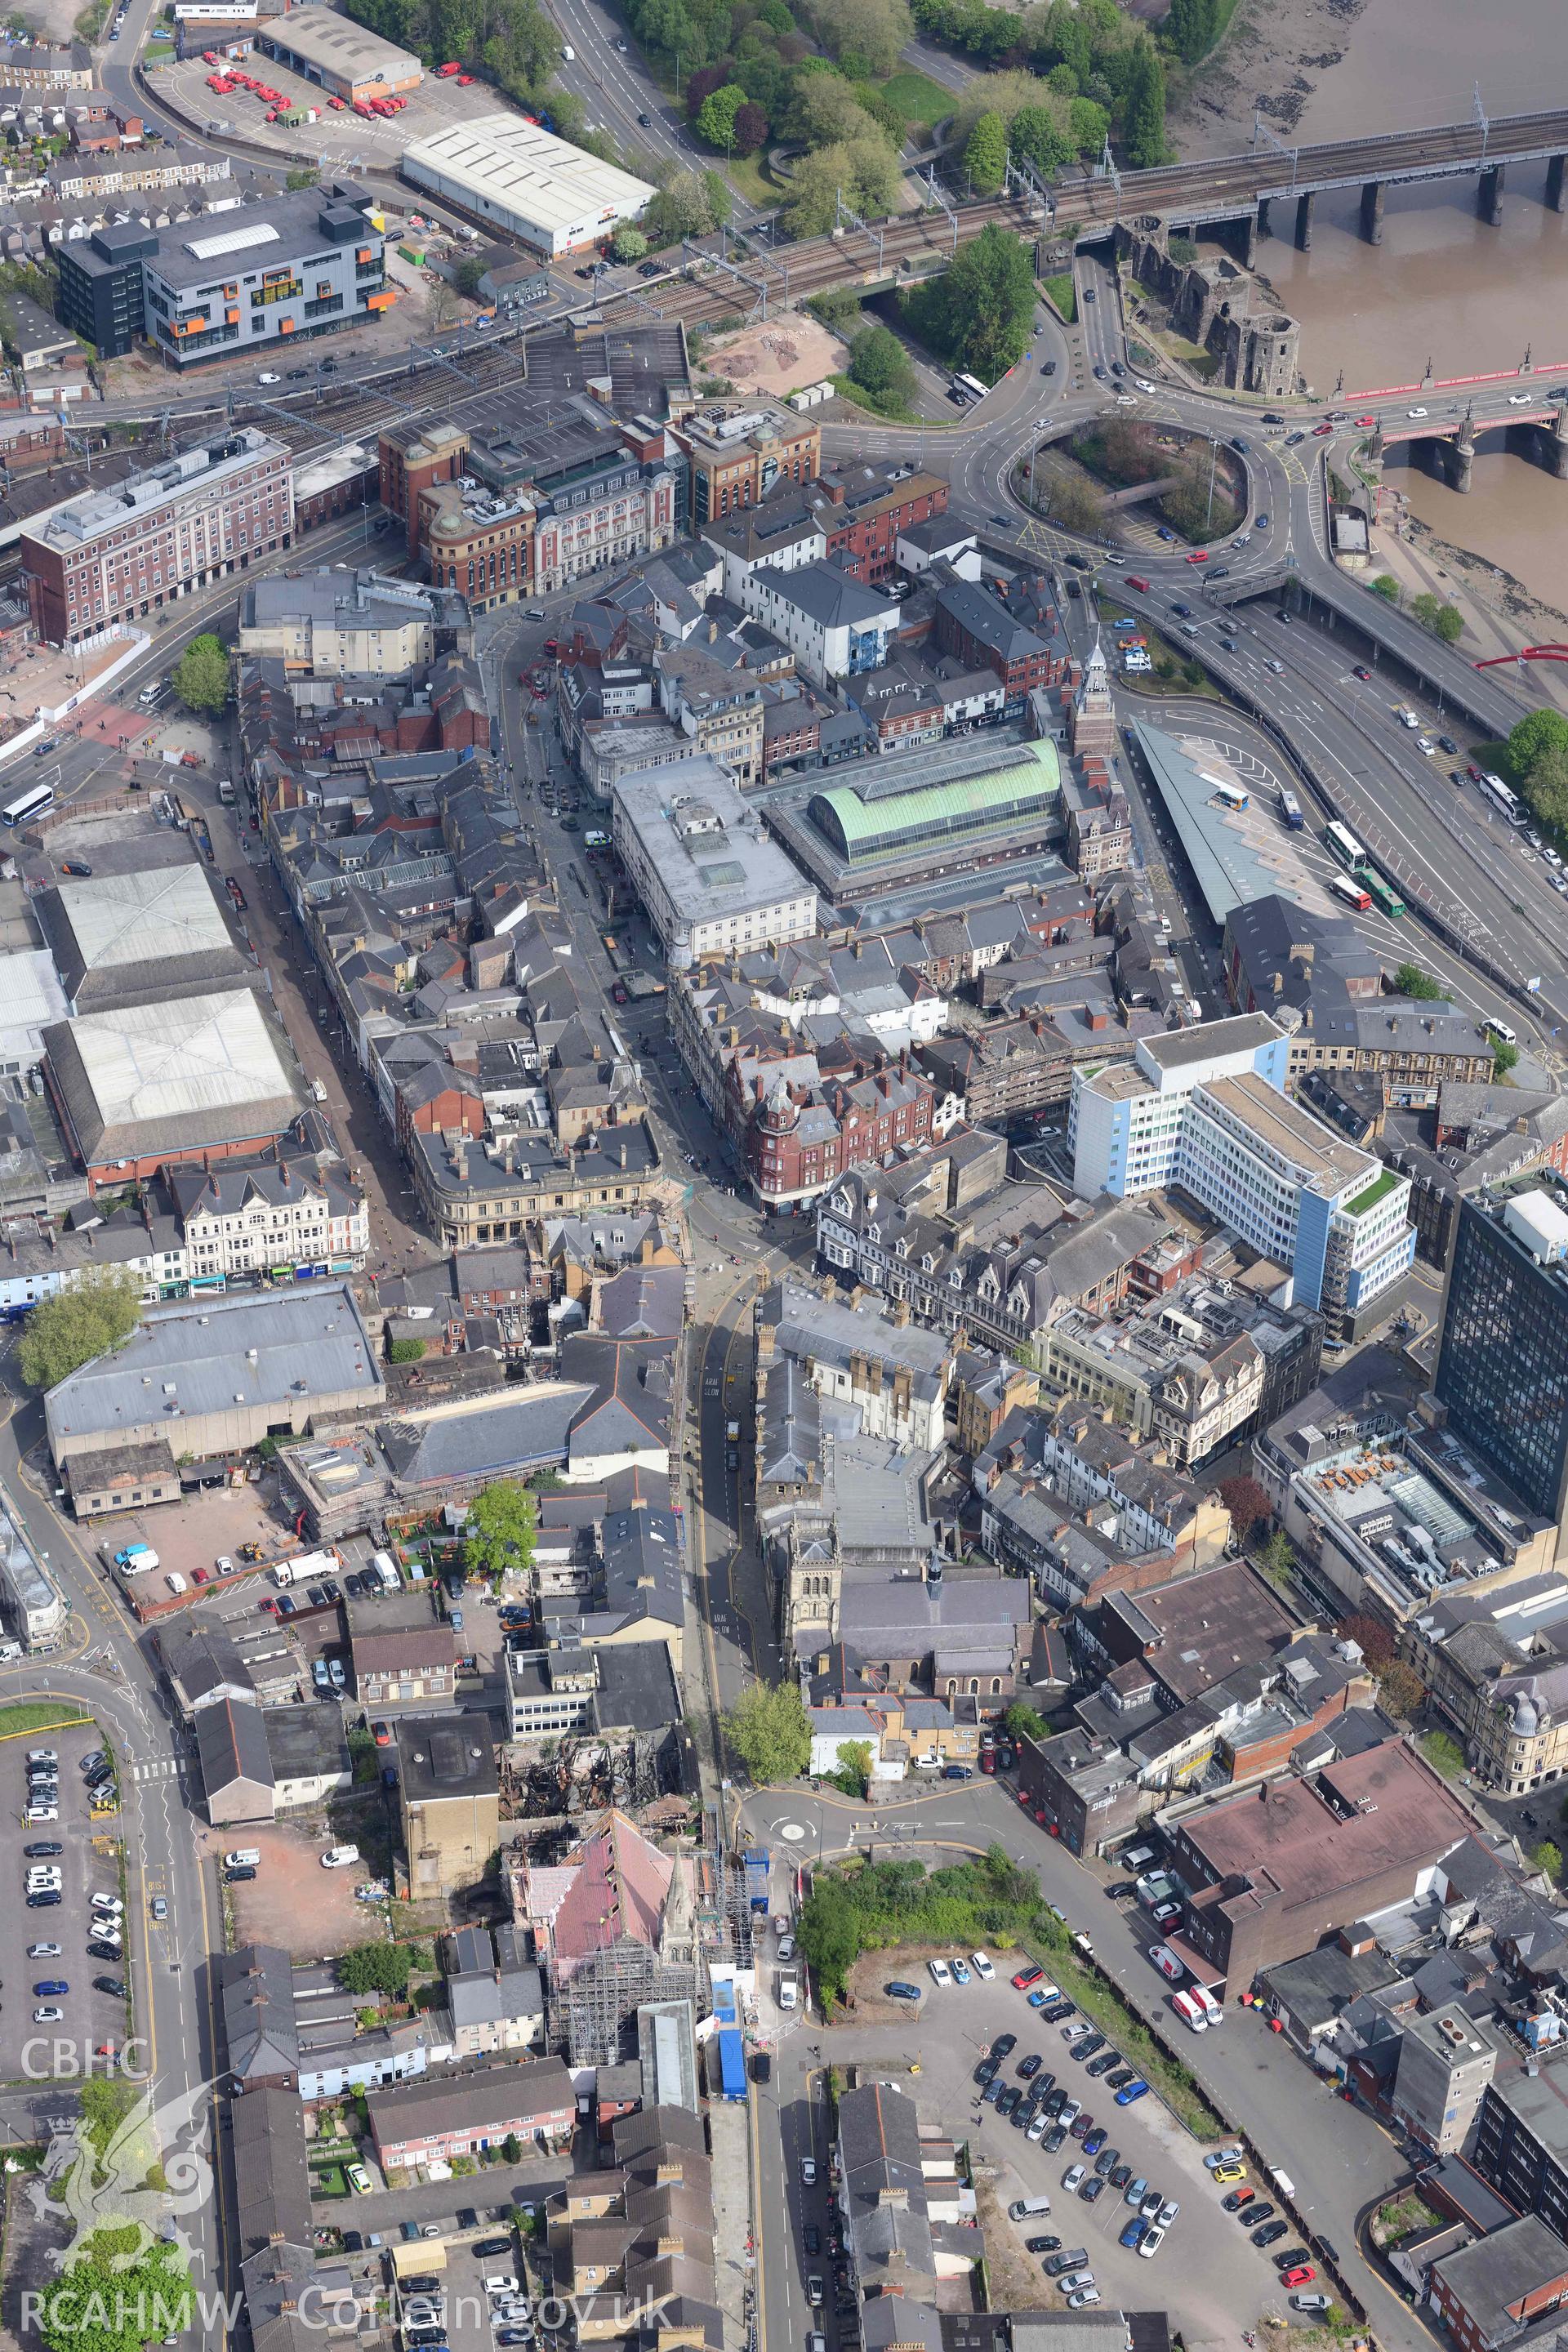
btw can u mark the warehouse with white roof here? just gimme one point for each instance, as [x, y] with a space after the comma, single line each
[128, 939]
[503, 169]
[198, 1077]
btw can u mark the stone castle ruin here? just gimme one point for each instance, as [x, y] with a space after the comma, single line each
[1219, 305]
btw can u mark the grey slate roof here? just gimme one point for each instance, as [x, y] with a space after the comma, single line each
[256, 1993]
[231, 1742]
[305, 1341]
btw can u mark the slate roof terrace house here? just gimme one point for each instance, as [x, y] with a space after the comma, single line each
[411, 2123]
[882, 2194]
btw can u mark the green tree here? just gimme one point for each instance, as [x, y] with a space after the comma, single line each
[96, 2306]
[1023, 1721]
[863, 170]
[1400, 1689]
[823, 110]
[1037, 135]
[406, 1351]
[1409, 980]
[1505, 1057]
[1442, 620]
[866, 36]
[986, 157]
[854, 1760]
[828, 1934]
[501, 1523]
[1190, 28]
[511, 2148]
[1547, 1856]
[1528, 743]
[103, 2107]
[96, 1315]
[1088, 125]
[880, 365]
[683, 207]
[303, 176]
[720, 202]
[1277, 1555]
[375, 1967]
[466, 277]
[977, 315]
[629, 245]
[1072, 500]
[716, 116]
[769, 1730]
[1386, 587]
[201, 675]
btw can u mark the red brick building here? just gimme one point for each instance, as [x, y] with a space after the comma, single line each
[413, 457]
[863, 511]
[978, 629]
[798, 1139]
[1487, 2293]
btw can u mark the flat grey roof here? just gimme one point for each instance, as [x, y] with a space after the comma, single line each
[199, 1356]
[711, 873]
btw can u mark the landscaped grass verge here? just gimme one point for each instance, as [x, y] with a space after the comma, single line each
[1101, 2001]
[40, 1714]
[1063, 296]
[918, 98]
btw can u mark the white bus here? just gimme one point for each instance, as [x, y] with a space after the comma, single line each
[1497, 792]
[1342, 844]
[1230, 796]
[968, 387]
[29, 804]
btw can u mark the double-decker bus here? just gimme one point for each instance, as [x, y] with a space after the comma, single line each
[1353, 890]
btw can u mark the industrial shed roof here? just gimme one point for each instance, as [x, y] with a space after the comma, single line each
[208, 1354]
[168, 1077]
[515, 166]
[120, 938]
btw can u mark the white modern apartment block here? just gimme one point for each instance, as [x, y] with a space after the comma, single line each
[1125, 1121]
[1205, 1109]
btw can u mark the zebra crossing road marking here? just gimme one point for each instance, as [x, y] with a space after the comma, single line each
[162, 1767]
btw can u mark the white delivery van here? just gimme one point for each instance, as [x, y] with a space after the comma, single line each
[385, 1569]
[176, 1582]
[338, 1857]
[244, 1857]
